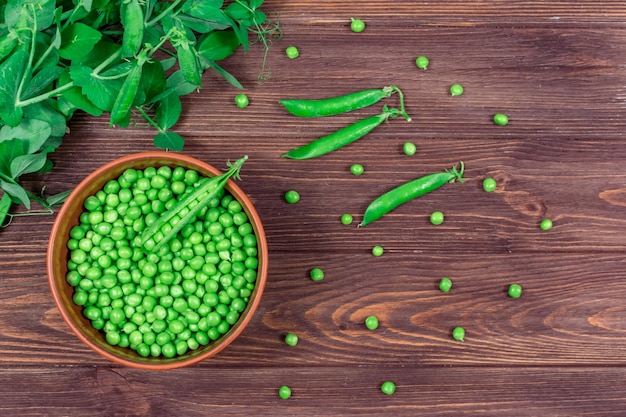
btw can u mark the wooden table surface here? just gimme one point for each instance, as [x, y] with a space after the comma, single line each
[557, 68]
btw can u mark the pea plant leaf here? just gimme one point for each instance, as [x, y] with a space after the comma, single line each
[218, 45]
[11, 73]
[255, 4]
[169, 140]
[168, 110]
[77, 40]
[57, 199]
[100, 91]
[225, 74]
[75, 96]
[5, 205]
[206, 10]
[32, 133]
[9, 149]
[27, 164]
[153, 80]
[42, 80]
[16, 191]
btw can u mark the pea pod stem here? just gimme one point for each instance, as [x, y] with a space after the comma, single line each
[188, 207]
[342, 104]
[341, 137]
[409, 191]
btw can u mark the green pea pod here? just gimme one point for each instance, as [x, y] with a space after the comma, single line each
[189, 64]
[342, 137]
[133, 24]
[181, 213]
[337, 105]
[408, 191]
[126, 96]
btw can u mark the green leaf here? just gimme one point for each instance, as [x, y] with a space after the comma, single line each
[168, 110]
[102, 51]
[200, 25]
[152, 80]
[42, 9]
[45, 112]
[218, 45]
[75, 96]
[31, 132]
[11, 73]
[206, 10]
[169, 140]
[58, 199]
[237, 11]
[226, 75]
[9, 150]
[255, 4]
[42, 81]
[16, 191]
[77, 41]
[101, 92]
[179, 84]
[27, 164]
[5, 206]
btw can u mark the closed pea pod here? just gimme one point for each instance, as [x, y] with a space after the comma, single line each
[408, 191]
[342, 137]
[341, 104]
[133, 23]
[128, 91]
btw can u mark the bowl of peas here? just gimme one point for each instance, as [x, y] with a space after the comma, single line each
[158, 260]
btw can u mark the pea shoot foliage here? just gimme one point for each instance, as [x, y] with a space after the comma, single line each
[129, 59]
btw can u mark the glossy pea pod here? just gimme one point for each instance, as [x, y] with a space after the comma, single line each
[341, 137]
[181, 213]
[126, 96]
[409, 191]
[133, 24]
[341, 104]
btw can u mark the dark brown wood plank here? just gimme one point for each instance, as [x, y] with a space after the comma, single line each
[316, 391]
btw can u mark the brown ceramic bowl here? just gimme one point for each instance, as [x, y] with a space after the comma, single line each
[57, 257]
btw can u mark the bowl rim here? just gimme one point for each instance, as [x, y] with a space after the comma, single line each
[173, 158]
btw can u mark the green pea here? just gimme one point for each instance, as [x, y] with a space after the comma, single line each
[436, 217]
[456, 90]
[409, 148]
[292, 197]
[388, 387]
[316, 274]
[357, 169]
[422, 62]
[357, 25]
[489, 185]
[378, 250]
[242, 101]
[291, 339]
[546, 224]
[501, 119]
[292, 52]
[515, 291]
[458, 333]
[371, 322]
[346, 218]
[445, 284]
[284, 392]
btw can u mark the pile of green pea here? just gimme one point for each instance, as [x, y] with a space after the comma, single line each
[162, 304]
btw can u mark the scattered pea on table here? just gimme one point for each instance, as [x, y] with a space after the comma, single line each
[489, 185]
[346, 218]
[445, 284]
[456, 90]
[292, 52]
[546, 224]
[409, 148]
[388, 387]
[292, 196]
[291, 339]
[371, 322]
[357, 169]
[284, 392]
[458, 333]
[422, 62]
[436, 218]
[515, 291]
[378, 250]
[501, 119]
[316, 274]
[357, 25]
[242, 101]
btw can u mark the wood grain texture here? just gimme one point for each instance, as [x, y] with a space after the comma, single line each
[557, 68]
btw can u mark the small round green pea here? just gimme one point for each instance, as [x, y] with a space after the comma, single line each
[546, 224]
[357, 169]
[445, 284]
[316, 274]
[292, 52]
[436, 217]
[489, 185]
[409, 148]
[456, 90]
[378, 250]
[292, 196]
[388, 387]
[357, 25]
[346, 218]
[291, 339]
[242, 101]
[284, 392]
[458, 333]
[422, 62]
[501, 119]
[515, 291]
[371, 322]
